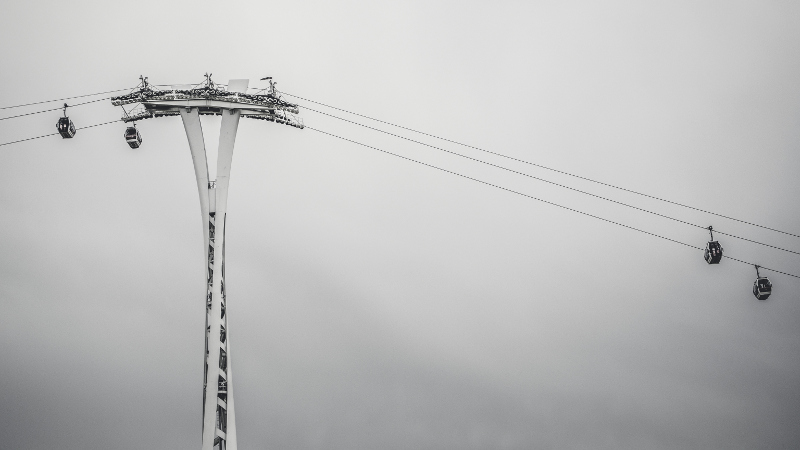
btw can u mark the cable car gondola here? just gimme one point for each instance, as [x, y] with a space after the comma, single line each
[762, 287]
[65, 126]
[713, 253]
[133, 137]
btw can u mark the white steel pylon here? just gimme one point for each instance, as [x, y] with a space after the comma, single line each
[219, 422]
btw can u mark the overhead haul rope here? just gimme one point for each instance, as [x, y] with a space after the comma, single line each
[55, 109]
[65, 98]
[482, 182]
[463, 156]
[550, 168]
[551, 182]
[53, 134]
[536, 198]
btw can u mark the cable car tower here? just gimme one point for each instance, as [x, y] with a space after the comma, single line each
[232, 103]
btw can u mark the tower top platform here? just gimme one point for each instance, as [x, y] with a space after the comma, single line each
[209, 98]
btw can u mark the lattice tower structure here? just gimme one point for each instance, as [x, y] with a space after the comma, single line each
[232, 103]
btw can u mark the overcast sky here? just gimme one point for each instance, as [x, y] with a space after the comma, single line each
[376, 303]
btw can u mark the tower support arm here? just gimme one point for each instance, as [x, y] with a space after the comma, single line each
[194, 133]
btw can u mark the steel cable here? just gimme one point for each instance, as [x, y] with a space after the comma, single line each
[55, 109]
[65, 98]
[536, 198]
[53, 134]
[550, 168]
[552, 182]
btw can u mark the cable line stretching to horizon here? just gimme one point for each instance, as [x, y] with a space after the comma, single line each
[55, 109]
[550, 168]
[538, 199]
[457, 154]
[53, 134]
[551, 182]
[65, 98]
[469, 178]
[444, 150]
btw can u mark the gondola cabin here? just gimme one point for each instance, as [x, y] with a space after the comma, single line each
[762, 288]
[65, 127]
[713, 253]
[133, 137]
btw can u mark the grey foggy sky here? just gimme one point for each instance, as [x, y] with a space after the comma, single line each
[377, 303]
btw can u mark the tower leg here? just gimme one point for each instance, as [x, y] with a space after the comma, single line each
[194, 134]
[219, 427]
